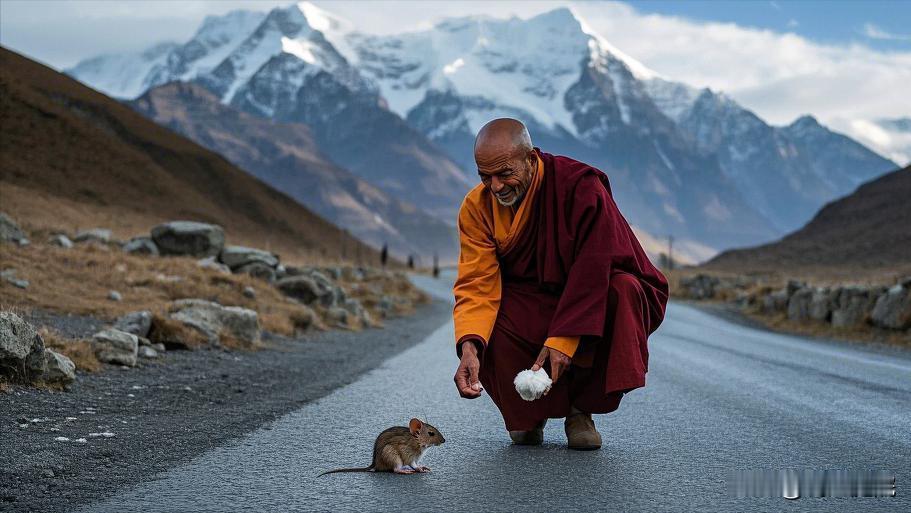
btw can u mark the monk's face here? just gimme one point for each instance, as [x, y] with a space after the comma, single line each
[506, 173]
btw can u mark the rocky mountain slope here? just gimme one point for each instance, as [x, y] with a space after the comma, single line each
[74, 156]
[286, 156]
[683, 161]
[867, 229]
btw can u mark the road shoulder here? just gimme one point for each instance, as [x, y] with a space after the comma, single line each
[139, 423]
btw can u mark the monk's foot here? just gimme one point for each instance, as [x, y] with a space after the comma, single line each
[581, 433]
[533, 437]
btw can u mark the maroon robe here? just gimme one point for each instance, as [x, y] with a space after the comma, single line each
[577, 270]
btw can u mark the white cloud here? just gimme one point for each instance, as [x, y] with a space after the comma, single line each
[874, 32]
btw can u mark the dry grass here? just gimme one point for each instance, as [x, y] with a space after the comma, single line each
[780, 322]
[78, 280]
[175, 334]
[80, 352]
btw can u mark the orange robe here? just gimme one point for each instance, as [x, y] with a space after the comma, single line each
[486, 228]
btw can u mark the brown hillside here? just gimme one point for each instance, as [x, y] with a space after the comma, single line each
[866, 231]
[72, 158]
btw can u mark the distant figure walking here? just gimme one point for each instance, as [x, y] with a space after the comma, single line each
[384, 255]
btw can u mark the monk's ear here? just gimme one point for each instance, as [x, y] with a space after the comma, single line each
[415, 426]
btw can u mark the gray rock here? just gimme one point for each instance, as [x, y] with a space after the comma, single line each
[16, 282]
[113, 295]
[237, 256]
[821, 304]
[799, 304]
[10, 231]
[115, 346]
[143, 341]
[794, 286]
[355, 308]
[141, 246]
[774, 302]
[280, 272]
[893, 309]
[293, 270]
[249, 292]
[852, 306]
[257, 270]
[101, 235]
[60, 240]
[212, 263]
[339, 316]
[147, 352]
[189, 238]
[701, 286]
[21, 345]
[159, 347]
[302, 288]
[58, 368]
[334, 296]
[138, 323]
[212, 319]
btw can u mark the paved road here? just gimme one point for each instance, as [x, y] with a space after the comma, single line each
[720, 396]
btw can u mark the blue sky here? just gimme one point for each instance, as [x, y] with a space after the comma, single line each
[884, 25]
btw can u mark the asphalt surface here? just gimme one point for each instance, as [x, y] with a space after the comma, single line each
[720, 397]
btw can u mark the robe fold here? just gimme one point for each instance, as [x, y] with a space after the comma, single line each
[563, 270]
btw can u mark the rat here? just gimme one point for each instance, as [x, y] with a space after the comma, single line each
[399, 448]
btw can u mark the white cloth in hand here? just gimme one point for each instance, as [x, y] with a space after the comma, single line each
[531, 384]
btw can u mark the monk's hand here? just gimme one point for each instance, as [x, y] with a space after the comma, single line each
[466, 377]
[559, 362]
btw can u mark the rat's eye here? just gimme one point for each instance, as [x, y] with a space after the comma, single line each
[431, 433]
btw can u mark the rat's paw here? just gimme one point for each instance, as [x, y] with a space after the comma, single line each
[404, 470]
[422, 468]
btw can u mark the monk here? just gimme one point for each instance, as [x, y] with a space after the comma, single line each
[550, 276]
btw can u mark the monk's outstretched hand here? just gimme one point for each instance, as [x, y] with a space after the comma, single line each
[559, 362]
[466, 377]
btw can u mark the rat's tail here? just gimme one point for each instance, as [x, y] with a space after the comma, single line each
[364, 469]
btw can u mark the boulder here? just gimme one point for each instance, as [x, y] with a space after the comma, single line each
[302, 288]
[852, 306]
[237, 256]
[115, 346]
[774, 302]
[189, 238]
[799, 304]
[141, 246]
[334, 295]
[212, 319]
[58, 368]
[257, 270]
[60, 240]
[113, 295]
[147, 352]
[9, 276]
[339, 317]
[355, 308]
[821, 303]
[101, 235]
[10, 231]
[20, 345]
[138, 323]
[249, 292]
[893, 309]
[701, 286]
[212, 263]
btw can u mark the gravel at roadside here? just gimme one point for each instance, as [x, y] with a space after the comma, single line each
[122, 426]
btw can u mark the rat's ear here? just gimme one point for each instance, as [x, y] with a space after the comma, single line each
[415, 425]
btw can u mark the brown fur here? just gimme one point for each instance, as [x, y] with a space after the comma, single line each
[399, 447]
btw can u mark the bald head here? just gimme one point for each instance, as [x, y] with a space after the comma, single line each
[506, 159]
[503, 135]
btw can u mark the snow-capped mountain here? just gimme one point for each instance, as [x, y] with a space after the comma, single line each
[682, 160]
